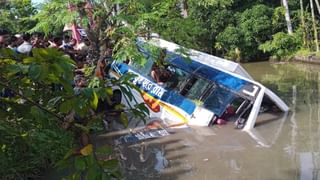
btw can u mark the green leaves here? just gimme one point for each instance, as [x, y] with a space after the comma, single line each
[208, 3]
[247, 30]
[37, 113]
[87, 150]
[12, 69]
[33, 110]
[111, 165]
[79, 163]
[282, 45]
[54, 15]
[36, 72]
[124, 119]
[92, 164]
[93, 173]
[92, 95]
[94, 101]
[66, 106]
[104, 150]
[15, 15]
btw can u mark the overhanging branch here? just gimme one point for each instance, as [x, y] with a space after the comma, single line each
[31, 101]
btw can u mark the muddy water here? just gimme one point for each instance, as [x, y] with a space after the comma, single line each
[283, 146]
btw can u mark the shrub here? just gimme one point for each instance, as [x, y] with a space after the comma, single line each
[282, 45]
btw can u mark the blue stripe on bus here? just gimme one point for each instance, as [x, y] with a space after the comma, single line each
[176, 99]
[222, 78]
[123, 68]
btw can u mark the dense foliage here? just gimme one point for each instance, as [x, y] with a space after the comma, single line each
[234, 29]
[15, 15]
[282, 45]
[43, 116]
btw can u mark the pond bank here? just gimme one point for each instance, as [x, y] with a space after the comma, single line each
[312, 58]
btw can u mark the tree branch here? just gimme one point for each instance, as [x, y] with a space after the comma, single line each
[31, 101]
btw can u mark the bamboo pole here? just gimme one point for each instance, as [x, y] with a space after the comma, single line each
[287, 16]
[318, 6]
[303, 24]
[184, 8]
[315, 31]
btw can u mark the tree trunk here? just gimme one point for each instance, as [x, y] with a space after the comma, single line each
[303, 24]
[184, 8]
[287, 15]
[318, 6]
[314, 26]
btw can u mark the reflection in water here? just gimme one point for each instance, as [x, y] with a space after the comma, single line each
[280, 120]
[304, 122]
[162, 162]
[306, 166]
[280, 147]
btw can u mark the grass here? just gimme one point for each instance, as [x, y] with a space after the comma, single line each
[307, 52]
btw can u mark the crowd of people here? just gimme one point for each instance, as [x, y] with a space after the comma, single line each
[24, 43]
[78, 51]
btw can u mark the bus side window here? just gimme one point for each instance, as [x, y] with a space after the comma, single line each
[196, 88]
[178, 80]
[188, 86]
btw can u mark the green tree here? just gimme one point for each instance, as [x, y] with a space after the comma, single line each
[253, 27]
[231, 40]
[42, 84]
[15, 15]
[282, 46]
[213, 18]
[43, 117]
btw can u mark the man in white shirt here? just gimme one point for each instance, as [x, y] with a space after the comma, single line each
[26, 46]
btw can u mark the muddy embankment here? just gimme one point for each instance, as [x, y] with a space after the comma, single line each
[312, 58]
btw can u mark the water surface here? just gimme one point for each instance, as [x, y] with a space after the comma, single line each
[280, 147]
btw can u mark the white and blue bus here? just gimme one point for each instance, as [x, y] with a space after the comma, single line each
[197, 91]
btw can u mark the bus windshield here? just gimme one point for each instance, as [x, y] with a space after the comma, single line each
[218, 100]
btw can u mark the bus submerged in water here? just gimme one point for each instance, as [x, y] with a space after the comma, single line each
[198, 89]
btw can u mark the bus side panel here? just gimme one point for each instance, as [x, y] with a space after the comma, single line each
[163, 104]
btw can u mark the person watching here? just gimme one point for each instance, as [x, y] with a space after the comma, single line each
[26, 46]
